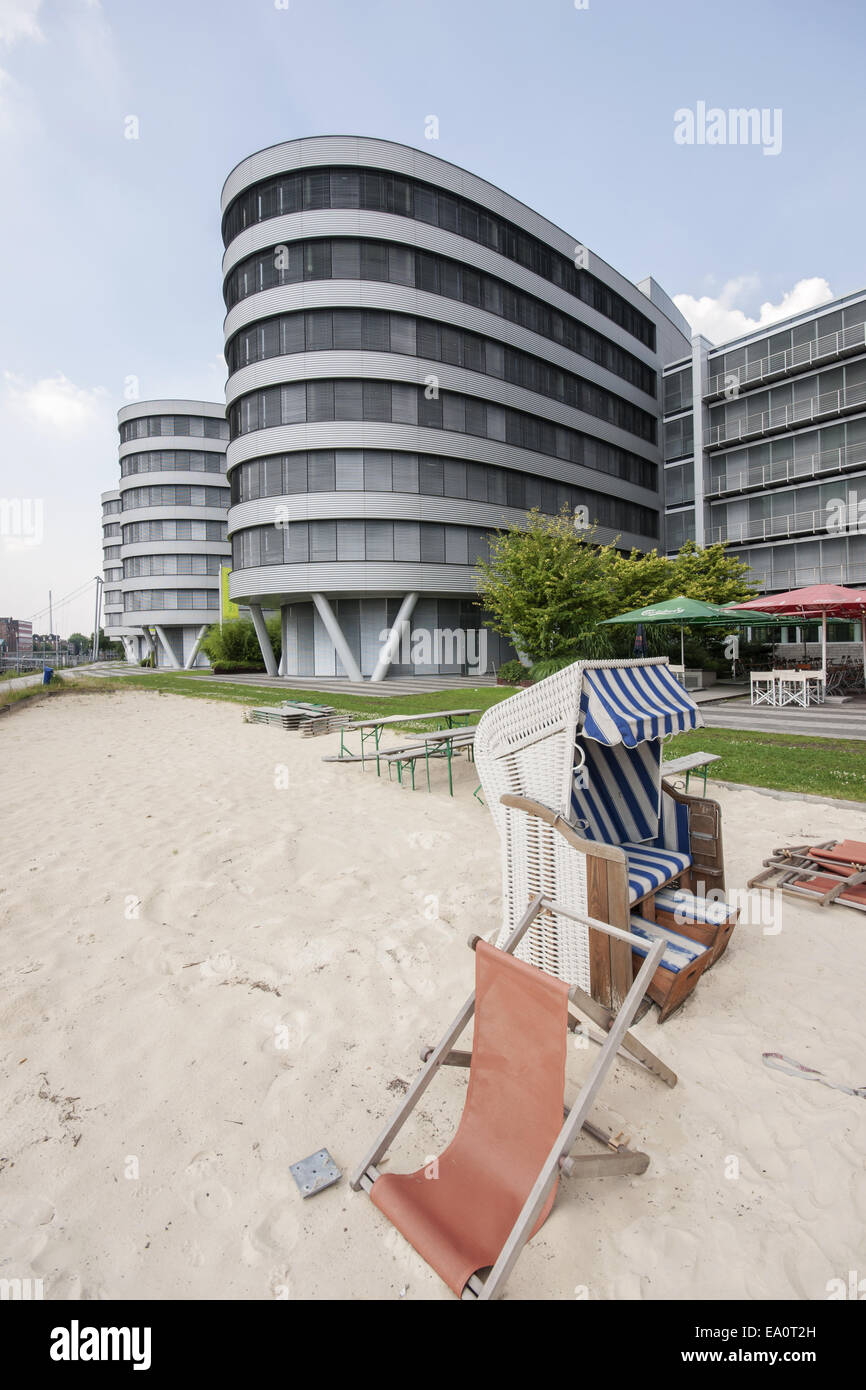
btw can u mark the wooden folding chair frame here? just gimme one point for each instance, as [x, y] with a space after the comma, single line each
[559, 1160]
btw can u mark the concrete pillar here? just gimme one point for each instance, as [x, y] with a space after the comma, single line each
[265, 647]
[335, 632]
[284, 639]
[389, 651]
[169, 650]
[188, 664]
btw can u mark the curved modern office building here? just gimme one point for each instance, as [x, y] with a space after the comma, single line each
[415, 359]
[173, 503]
[112, 567]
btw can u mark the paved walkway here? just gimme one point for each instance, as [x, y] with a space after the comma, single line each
[817, 721]
[395, 685]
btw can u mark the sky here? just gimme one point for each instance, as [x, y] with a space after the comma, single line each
[609, 117]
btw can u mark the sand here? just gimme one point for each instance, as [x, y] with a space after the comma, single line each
[207, 974]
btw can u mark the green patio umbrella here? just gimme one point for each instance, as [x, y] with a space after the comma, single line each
[688, 612]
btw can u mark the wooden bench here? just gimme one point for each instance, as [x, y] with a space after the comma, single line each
[691, 762]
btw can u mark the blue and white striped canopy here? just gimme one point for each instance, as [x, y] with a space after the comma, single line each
[632, 704]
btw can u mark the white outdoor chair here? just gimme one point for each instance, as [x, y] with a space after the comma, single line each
[763, 687]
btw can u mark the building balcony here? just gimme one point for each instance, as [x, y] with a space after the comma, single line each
[787, 471]
[853, 575]
[809, 523]
[786, 417]
[830, 348]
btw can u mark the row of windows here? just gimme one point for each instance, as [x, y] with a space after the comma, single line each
[679, 437]
[798, 336]
[374, 330]
[171, 564]
[113, 598]
[148, 426]
[376, 191]
[157, 599]
[111, 552]
[406, 404]
[111, 508]
[678, 390]
[380, 470]
[834, 446]
[181, 529]
[112, 529]
[851, 378]
[172, 461]
[300, 542]
[382, 261]
[175, 495]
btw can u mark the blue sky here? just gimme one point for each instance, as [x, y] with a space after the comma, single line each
[110, 247]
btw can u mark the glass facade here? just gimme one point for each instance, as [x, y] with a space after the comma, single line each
[151, 426]
[377, 190]
[398, 403]
[431, 475]
[383, 262]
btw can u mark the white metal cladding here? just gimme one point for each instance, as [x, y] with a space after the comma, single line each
[422, 236]
[401, 299]
[137, 409]
[176, 547]
[393, 366]
[351, 578]
[173, 512]
[404, 159]
[140, 582]
[153, 442]
[397, 506]
[171, 617]
[182, 477]
[369, 434]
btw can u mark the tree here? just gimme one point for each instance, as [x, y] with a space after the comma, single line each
[712, 574]
[545, 585]
[548, 586]
[79, 643]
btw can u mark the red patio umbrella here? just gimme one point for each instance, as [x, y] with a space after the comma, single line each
[816, 601]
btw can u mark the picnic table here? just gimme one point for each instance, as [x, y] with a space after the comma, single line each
[372, 728]
[691, 762]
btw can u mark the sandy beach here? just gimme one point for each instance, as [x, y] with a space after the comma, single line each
[219, 954]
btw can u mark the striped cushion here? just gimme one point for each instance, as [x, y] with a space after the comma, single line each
[688, 908]
[649, 868]
[679, 951]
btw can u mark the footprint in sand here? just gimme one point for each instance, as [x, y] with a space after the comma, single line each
[217, 967]
[276, 1234]
[212, 1200]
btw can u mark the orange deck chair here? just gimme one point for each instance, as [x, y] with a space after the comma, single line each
[470, 1212]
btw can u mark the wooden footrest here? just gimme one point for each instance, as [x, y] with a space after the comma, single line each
[704, 920]
[682, 964]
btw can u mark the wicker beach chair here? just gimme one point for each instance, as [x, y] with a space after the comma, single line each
[585, 744]
[470, 1211]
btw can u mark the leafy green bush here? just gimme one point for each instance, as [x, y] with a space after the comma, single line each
[541, 669]
[226, 668]
[512, 671]
[235, 644]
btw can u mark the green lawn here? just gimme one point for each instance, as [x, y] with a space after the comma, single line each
[783, 762]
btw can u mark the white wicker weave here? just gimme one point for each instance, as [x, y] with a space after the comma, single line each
[526, 745]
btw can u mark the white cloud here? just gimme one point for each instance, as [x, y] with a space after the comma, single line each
[18, 20]
[719, 319]
[55, 404]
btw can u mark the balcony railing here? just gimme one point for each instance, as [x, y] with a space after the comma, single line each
[853, 576]
[790, 471]
[796, 359]
[783, 417]
[809, 523]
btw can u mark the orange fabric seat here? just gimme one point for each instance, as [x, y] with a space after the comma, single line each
[847, 852]
[459, 1210]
